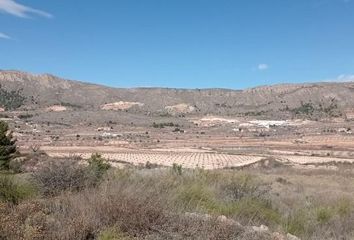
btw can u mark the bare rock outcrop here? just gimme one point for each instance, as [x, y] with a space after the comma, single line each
[116, 106]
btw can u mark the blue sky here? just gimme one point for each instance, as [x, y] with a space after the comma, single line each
[180, 43]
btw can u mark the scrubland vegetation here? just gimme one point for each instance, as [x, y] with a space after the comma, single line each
[45, 198]
[63, 199]
[11, 99]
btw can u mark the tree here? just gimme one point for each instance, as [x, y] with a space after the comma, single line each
[7, 146]
[97, 167]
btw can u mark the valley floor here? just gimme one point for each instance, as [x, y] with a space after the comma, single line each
[178, 178]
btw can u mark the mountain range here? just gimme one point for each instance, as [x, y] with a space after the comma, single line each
[26, 91]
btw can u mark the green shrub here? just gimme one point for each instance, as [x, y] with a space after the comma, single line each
[324, 214]
[244, 186]
[305, 108]
[25, 116]
[344, 207]
[112, 234]
[257, 211]
[11, 100]
[163, 125]
[194, 195]
[13, 192]
[177, 169]
[296, 222]
[97, 167]
[71, 105]
[149, 165]
[7, 146]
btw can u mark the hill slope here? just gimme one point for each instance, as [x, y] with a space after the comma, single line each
[40, 91]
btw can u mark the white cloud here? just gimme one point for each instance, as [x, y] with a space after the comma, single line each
[344, 78]
[19, 10]
[341, 78]
[4, 36]
[263, 66]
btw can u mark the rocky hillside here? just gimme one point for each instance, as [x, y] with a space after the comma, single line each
[20, 90]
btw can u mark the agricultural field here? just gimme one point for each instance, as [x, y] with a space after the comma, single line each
[132, 176]
[208, 143]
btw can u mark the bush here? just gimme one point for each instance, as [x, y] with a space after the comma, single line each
[7, 146]
[16, 165]
[196, 196]
[137, 203]
[305, 108]
[11, 100]
[149, 165]
[25, 116]
[177, 169]
[57, 176]
[249, 199]
[14, 192]
[112, 234]
[97, 167]
[252, 210]
[324, 214]
[344, 207]
[245, 186]
[297, 222]
[23, 221]
[163, 125]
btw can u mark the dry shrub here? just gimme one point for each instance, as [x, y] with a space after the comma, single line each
[127, 204]
[25, 221]
[56, 176]
[82, 216]
[151, 204]
[134, 211]
[182, 227]
[241, 186]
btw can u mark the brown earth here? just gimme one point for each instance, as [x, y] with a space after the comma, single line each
[299, 124]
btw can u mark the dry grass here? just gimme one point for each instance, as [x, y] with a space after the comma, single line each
[151, 204]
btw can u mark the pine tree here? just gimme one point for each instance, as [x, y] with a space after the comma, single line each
[7, 146]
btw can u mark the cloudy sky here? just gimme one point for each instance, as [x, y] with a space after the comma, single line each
[180, 43]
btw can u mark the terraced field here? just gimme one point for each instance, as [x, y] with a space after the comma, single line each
[187, 160]
[316, 160]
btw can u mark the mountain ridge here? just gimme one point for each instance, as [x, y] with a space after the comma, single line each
[49, 75]
[44, 90]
